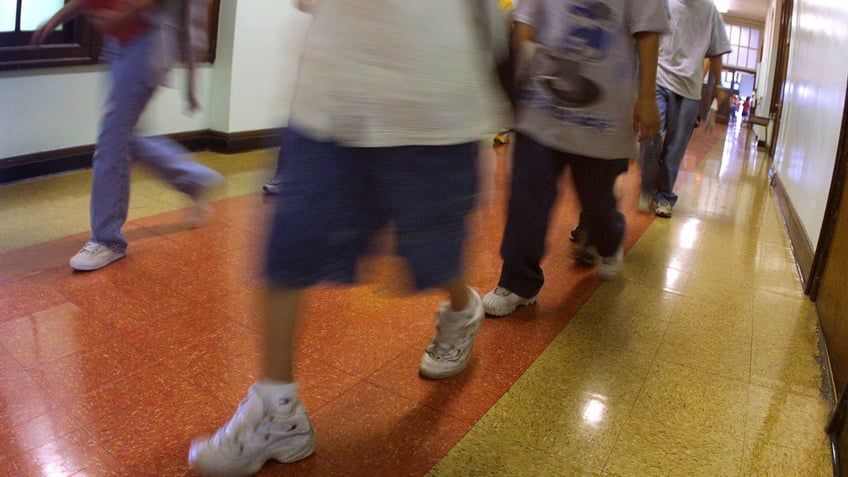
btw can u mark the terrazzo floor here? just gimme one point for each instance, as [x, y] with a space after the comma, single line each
[700, 359]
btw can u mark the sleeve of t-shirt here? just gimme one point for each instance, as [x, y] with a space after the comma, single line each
[719, 43]
[650, 16]
[525, 12]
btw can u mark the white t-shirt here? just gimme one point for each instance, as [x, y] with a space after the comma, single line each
[381, 73]
[697, 31]
[582, 81]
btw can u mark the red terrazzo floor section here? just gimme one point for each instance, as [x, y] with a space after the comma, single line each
[114, 372]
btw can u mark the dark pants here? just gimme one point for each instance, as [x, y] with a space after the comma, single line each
[536, 176]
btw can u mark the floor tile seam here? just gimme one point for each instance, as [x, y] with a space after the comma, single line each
[358, 379]
[755, 434]
[114, 330]
[369, 378]
[88, 428]
[651, 366]
[705, 371]
[52, 440]
[557, 336]
[99, 341]
[134, 221]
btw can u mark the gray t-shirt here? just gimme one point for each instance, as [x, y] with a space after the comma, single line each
[697, 31]
[580, 87]
[380, 73]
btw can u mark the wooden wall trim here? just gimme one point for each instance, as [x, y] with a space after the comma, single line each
[802, 249]
[231, 143]
[30, 166]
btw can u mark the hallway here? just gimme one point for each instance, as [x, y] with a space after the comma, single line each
[701, 359]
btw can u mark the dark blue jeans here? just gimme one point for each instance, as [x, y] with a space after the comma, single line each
[536, 175]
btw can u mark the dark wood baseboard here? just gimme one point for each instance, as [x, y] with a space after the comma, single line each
[232, 143]
[29, 166]
[802, 249]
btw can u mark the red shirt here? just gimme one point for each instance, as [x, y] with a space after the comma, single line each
[125, 32]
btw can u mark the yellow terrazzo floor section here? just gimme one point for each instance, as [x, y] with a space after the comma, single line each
[701, 360]
[48, 208]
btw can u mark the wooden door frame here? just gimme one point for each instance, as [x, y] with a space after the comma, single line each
[784, 37]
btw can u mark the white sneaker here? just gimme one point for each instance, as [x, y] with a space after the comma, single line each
[93, 256]
[200, 211]
[610, 266]
[254, 436]
[447, 355]
[198, 214]
[501, 302]
[663, 210]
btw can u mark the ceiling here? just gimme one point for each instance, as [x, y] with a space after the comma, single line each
[749, 9]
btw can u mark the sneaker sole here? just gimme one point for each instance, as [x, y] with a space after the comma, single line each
[439, 374]
[300, 453]
[91, 267]
[495, 311]
[609, 276]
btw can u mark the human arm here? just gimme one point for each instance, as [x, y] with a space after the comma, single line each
[715, 77]
[646, 115]
[522, 38]
[67, 13]
[523, 32]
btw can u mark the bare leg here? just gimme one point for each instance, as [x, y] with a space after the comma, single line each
[281, 310]
[458, 293]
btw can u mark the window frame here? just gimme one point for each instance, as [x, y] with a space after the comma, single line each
[76, 43]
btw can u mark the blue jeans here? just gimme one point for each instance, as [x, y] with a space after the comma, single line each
[136, 70]
[536, 173]
[660, 157]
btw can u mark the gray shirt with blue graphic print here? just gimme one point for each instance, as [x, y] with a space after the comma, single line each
[580, 87]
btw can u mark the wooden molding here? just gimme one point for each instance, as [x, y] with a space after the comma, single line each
[232, 143]
[30, 166]
[802, 249]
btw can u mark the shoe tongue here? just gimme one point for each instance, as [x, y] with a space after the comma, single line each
[249, 413]
[502, 292]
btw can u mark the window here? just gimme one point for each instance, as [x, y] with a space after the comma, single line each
[745, 42]
[73, 43]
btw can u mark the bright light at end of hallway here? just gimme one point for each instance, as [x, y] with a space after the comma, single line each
[722, 5]
[594, 411]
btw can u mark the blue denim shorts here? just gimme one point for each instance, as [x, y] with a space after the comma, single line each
[334, 199]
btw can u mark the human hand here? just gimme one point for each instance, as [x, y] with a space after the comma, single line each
[646, 118]
[307, 6]
[39, 35]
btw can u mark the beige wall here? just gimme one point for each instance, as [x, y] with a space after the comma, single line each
[814, 100]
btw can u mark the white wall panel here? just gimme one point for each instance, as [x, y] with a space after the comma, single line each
[814, 100]
[42, 110]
